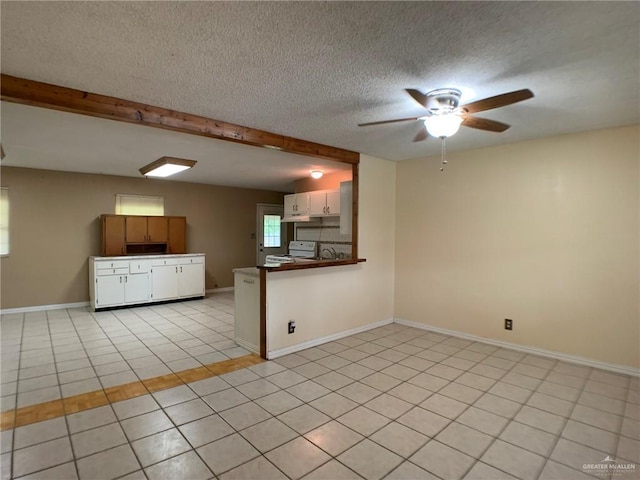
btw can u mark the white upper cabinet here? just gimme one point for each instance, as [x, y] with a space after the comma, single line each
[324, 203]
[296, 204]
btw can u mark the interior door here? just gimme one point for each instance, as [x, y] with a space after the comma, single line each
[271, 233]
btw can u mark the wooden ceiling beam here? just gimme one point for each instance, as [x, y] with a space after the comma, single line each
[45, 95]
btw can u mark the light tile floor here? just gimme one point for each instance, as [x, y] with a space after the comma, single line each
[392, 403]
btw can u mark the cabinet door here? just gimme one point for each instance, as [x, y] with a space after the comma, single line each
[136, 288]
[112, 235]
[302, 203]
[333, 202]
[157, 229]
[136, 228]
[177, 235]
[290, 205]
[109, 290]
[191, 280]
[164, 281]
[317, 203]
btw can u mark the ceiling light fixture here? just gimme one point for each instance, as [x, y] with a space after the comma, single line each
[442, 126]
[316, 174]
[166, 166]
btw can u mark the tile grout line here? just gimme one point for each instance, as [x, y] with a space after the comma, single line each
[566, 421]
[398, 362]
[494, 438]
[65, 416]
[230, 366]
[13, 436]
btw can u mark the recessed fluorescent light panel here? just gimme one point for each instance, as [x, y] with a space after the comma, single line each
[166, 166]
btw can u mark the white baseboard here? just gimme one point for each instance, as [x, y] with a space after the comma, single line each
[329, 338]
[40, 308]
[249, 346]
[624, 369]
[218, 290]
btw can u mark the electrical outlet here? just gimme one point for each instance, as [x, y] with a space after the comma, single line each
[291, 326]
[508, 324]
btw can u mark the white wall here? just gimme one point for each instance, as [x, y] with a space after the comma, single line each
[544, 232]
[327, 301]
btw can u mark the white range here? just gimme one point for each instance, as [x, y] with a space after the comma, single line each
[299, 251]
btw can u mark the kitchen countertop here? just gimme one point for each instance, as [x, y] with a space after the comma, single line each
[154, 255]
[271, 267]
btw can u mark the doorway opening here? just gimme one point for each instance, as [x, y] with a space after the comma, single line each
[271, 233]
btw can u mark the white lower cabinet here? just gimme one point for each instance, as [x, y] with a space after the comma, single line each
[164, 278]
[117, 281]
[109, 290]
[136, 288]
[191, 280]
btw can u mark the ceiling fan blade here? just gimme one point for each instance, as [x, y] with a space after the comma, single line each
[498, 101]
[421, 135]
[389, 121]
[484, 124]
[418, 96]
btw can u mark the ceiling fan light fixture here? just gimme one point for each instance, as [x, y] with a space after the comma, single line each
[166, 166]
[442, 126]
[316, 174]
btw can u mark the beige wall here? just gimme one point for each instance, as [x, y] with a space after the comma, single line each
[331, 300]
[543, 232]
[55, 228]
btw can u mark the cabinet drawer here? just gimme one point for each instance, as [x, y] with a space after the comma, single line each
[112, 271]
[139, 266]
[112, 265]
[157, 262]
[190, 260]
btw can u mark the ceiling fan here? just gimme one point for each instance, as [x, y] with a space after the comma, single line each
[444, 115]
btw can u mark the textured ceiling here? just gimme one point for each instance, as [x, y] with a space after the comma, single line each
[314, 70]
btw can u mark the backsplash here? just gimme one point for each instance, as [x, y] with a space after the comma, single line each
[328, 236]
[326, 250]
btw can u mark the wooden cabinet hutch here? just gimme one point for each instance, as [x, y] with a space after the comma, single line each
[139, 235]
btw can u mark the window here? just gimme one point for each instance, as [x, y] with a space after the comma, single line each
[4, 221]
[139, 205]
[271, 231]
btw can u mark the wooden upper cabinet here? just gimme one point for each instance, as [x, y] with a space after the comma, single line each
[113, 235]
[177, 235]
[140, 235]
[136, 229]
[157, 229]
[146, 229]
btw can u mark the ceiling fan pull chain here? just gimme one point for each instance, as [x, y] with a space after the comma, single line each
[443, 160]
